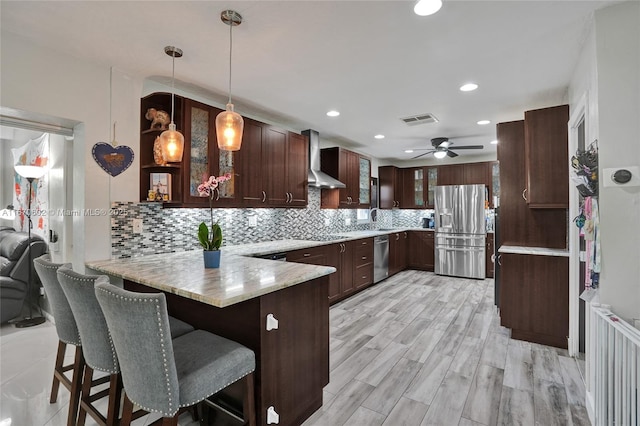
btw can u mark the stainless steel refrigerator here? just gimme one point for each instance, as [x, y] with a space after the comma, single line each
[460, 230]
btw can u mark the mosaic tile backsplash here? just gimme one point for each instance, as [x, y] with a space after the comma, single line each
[174, 230]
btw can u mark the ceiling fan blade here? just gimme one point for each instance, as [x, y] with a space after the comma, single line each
[422, 155]
[451, 154]
[470, 147]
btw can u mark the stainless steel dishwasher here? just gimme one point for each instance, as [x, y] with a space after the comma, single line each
[380, 258]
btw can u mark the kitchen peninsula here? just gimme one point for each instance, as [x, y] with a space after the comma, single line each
[235, 301]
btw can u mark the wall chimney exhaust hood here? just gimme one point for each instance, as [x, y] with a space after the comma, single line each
[318, 178]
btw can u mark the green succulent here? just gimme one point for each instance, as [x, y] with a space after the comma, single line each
[213, 243]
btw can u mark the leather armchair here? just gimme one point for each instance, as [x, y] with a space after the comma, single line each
[14, 270]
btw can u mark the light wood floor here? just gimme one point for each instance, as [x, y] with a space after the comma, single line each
[421, 349]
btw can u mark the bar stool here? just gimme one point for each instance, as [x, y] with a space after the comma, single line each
[67, 335]
[98, 349]
[166, 376]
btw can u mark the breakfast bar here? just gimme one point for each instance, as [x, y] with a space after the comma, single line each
[280, 310]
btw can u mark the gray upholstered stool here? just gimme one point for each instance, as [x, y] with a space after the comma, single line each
[67, 335]
[164, 375]
[98, 349]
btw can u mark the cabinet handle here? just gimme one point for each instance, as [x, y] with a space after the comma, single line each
[364, 243]
[405, 235]
[306, 255]
[364, 277]
[498, 259]
[397, 237]
[344, 247]
[364, 257]
[272, 322]
[524, 194]
[264, 196]
[291, 197]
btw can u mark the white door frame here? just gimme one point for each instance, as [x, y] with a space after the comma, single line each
[579, 114]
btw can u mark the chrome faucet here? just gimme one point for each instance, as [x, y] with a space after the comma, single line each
[373, 219]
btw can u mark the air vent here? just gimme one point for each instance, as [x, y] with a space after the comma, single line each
[425, 118]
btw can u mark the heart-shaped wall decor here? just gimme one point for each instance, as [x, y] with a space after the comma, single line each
[113, 159]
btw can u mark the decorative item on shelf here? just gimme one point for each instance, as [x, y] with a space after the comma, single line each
[160, 185]
[585, 169]
[159, 119]
[172, 141]
[211, 242]
[229, 124]
[157, 153]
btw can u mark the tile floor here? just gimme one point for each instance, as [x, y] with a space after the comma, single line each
[416, 349]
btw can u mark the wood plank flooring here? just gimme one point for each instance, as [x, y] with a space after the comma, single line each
[421, 349]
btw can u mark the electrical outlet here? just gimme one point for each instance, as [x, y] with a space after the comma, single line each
[137, 226]
[347, 221]
[42, 291]
[253, 221]
[327, 222]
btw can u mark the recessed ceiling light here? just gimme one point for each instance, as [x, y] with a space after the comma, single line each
[494, 142]
[468, 87]
[408, 151]
[333, 113]
[379, 136]
[427, 7]
[483, 122]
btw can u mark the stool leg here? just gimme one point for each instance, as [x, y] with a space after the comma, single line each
[76, 386]
[127, 411]
[115, 393]
[248, 401]
[62, 347]
[86, 393]
[170, 421]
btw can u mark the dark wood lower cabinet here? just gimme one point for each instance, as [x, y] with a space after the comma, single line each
[421, 253]
[534, 298]
[363, 263]
[398, 242]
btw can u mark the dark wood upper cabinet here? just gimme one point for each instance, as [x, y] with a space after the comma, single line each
[546, 157]
[270, 169]
[390, 184]
[451, 174]
[413, 188]
[202, 158]
[159, 101]
[352, 169]
[297, 169]
[520, 225]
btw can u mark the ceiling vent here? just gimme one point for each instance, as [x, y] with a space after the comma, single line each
[425, 118]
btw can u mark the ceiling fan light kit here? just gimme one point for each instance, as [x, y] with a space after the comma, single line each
[442, 148]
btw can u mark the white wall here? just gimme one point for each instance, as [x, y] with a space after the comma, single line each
[37, 79]
[618, 65]
[609, 72]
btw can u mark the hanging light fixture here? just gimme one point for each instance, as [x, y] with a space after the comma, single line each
[172, 141]
[229, 124]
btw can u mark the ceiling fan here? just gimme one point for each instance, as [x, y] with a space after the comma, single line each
[441, 148]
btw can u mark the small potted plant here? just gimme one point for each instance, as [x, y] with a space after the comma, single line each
[211, 241]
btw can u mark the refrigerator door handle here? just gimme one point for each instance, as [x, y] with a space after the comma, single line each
[447, 248]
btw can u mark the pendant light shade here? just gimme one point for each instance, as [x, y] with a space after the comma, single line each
[229, 124]
[171, 140]
[229, 127]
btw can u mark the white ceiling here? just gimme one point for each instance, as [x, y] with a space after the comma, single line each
[374, 61]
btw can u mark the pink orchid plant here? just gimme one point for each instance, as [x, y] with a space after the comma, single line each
[208, 189]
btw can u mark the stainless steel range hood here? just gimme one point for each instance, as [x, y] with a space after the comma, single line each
[318, 178]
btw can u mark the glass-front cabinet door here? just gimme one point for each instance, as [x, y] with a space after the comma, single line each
[432, 181]
[418, 187]
[364, 182]
[202, 158]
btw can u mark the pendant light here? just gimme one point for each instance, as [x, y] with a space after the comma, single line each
[172, 141]
[229, 124]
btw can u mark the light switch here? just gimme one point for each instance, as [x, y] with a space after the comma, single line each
[137, 226]
[347, 221]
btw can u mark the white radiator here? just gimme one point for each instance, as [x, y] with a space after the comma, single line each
[613, 369]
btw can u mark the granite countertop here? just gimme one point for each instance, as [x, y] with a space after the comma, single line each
[539, 251]
[239, 278]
